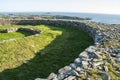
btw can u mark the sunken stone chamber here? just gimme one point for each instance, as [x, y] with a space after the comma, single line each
[21, 29]
[30, 30]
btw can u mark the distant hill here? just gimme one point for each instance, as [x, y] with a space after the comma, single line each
[40, 16]
[64, 17]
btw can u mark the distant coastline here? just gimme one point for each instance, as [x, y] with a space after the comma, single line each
[102, 18]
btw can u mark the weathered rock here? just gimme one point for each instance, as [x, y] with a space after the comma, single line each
[78, 69]
[118, 58]
[97, 60]
[52, 76]
[70, 78]
[118, 69]
[73, 73]
[84, 64]
[60, 76]
[77, 60]
[40, 79]
[61, 70]
[84, 54]
[105, 76]
[73, 66]
[105, 68]
[91, 49]
[26, 62]
[87, 78]
[96, 64]
[65, 69]
[99, 67]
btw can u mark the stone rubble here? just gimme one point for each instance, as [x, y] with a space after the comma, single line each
[93, 57]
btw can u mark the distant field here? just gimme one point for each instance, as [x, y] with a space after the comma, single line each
[29, 58]
[118, 25]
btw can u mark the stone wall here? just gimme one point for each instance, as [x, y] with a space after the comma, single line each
[10, 30]
[89, 29]
[99, 36]
[97, 56]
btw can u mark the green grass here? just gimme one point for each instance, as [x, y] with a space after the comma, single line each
[53, 49]
[13, 35]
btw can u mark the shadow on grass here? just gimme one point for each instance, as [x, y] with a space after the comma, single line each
[60, 52]
[26, 33]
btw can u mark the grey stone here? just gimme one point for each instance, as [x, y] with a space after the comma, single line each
[91, 49]
[118, 58]
[77, 60]
[95, 64]
[105, 68]
[40, 79]
[84, 54]
[84, 64]
[105, 76]
[98, 60]
[60, 76]
[65, 69]
[118, 69]
[99, 67]
[94, 55]
[61, 70]
[70, 78]
[73, 73]
[52, 76]
[87, 78]
[26, 62]
[78, 69]
[73, 66]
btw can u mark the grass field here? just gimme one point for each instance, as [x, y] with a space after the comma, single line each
[30, 58]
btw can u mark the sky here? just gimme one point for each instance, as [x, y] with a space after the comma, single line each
[87, 6]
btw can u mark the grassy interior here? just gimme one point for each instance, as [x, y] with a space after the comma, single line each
[30, 58]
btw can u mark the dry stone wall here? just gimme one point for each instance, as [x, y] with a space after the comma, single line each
[97, 56]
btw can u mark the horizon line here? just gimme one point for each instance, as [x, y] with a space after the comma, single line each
[56, 12]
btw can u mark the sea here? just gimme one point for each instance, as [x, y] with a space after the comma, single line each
[102, 18]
